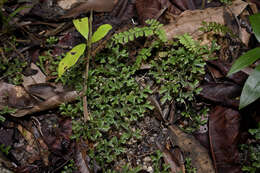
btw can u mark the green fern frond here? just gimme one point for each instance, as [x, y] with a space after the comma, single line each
[216, 28]
[154, 28]
[188, 42]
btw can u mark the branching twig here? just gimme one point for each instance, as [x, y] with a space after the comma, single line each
[85, 103]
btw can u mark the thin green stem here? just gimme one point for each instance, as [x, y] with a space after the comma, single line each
[88, 57]
[203, 4]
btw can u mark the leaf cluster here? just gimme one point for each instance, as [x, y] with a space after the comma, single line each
[251, 89]
[156, 159]
[117, 102]
[82, 26]
[177, 71]
[4, 111]
[188, 166]
[252, 152]
[12, 68]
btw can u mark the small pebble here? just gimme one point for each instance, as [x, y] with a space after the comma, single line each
[147, 159]
[150, 169]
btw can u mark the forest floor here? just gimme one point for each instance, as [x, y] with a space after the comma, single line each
[129, 86]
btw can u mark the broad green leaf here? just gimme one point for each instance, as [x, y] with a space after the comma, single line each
[255, 23]
[101, 32]
[71, 58]
[251, 89]
[82, 26]
[245, 60]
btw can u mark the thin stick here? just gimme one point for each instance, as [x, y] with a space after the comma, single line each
[85, 103]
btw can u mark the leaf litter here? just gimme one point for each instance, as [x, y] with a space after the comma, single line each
[40, 138]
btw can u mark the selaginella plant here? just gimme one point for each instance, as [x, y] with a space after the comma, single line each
[84, 27]
[117, 101]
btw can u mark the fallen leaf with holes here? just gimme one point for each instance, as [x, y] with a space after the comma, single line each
[38, 77]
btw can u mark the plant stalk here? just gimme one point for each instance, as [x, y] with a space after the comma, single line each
[85, 103]
[203, 4]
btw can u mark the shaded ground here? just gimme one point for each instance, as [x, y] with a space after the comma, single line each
[152, 102]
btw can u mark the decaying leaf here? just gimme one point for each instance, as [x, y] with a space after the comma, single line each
[149, 9]
[221, 93]
[191, 21]
[224, 136]
[39, 77]
[188, 144]
[85, 6]
[52, 102]
[14, 96]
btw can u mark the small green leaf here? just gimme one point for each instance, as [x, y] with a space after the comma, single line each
[101, 32]
[2, 118]
[245, 60]
[251, 89]
[255, 23]
[71, 58]
[82, 26]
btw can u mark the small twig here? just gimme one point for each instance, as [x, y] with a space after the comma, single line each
[85, 103]
[16, 51]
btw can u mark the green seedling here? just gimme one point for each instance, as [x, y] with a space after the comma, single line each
[117, 102]
[84, 27]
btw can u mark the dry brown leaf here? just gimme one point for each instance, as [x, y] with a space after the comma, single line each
[191, 21]
[13, 96]
[86, 6]
[188, 144]
[51, 103]
[224, 125]
[39, 77]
